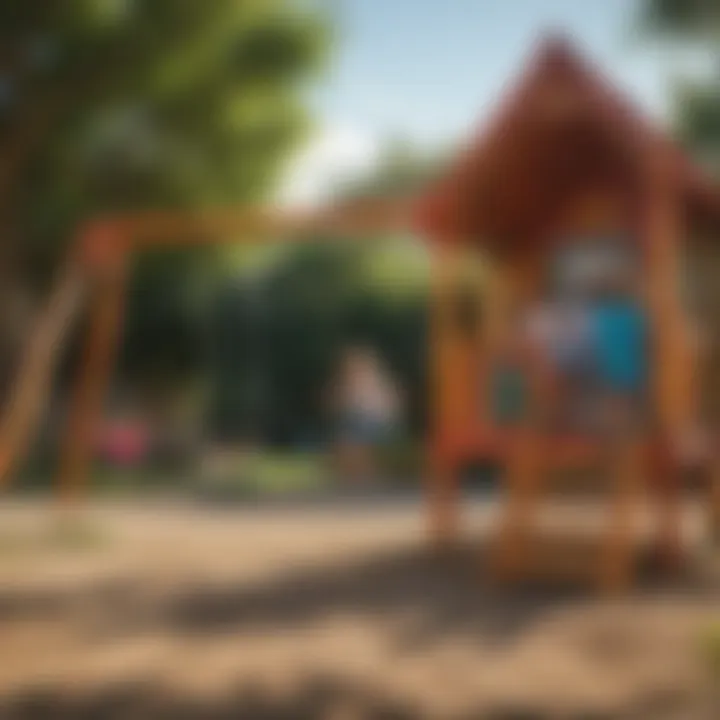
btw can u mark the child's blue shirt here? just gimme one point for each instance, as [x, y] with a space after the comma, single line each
[620, 341]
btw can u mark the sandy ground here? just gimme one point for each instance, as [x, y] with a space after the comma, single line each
[339, 611]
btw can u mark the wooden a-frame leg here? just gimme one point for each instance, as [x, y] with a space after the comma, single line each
[92, 382]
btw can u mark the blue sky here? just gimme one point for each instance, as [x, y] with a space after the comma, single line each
[431, 70]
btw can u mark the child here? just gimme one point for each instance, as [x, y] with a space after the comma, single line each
[367, 405]
[559, 334]
[620, 349]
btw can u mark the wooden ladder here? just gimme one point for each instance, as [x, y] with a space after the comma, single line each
[522, 550]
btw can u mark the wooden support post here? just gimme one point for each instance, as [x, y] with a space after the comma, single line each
[442, 480]
[443, 491]
[672, 367]
[523, 486]
[92, 382]
[626, 463]
[514, 280]
[495, 302]
[715, 500]
[459, 368]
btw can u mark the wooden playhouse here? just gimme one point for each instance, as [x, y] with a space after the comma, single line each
[566, 154]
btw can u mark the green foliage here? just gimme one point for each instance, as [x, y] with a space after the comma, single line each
[279, 329]
[698, 108]
[267, 474]
[710, 648]
[168, 103]
[124, 105]
[277, 339]
[694, 24]
[682, 17]
[401, 170]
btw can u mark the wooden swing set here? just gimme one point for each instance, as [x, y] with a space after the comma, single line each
[565, 154]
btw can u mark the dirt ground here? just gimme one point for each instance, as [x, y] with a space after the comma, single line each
[339, 611]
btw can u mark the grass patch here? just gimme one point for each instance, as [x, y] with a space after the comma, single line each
[75, 534]
[135, 481]
[72, 534]
[267, 474]
[710, 648]
[11, 543]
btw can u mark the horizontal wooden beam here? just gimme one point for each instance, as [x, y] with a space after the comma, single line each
[129, 233]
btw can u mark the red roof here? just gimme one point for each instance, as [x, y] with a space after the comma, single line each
[562, 125]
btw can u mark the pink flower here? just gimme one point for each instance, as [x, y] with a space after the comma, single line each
[124, 443]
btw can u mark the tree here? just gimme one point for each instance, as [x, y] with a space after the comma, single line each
[276, 337]
[116, 105]
[272, 366]
[689, 19]
[695, 24]
[401, 169]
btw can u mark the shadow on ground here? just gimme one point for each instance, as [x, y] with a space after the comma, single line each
[320, 699]
[446, 596]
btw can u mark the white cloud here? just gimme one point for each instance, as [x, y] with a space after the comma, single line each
[335, 154]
